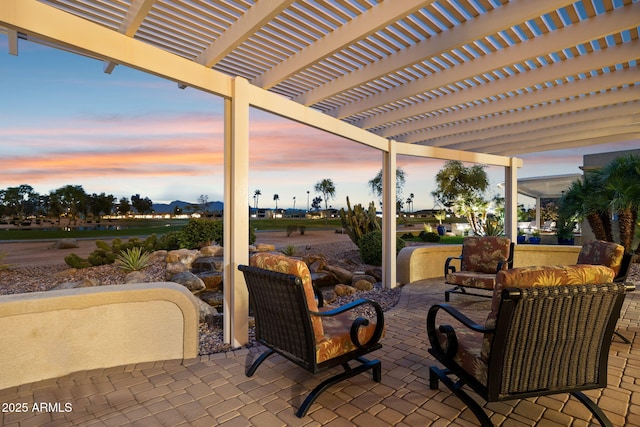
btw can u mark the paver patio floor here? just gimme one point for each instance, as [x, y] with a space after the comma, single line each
[213, 390]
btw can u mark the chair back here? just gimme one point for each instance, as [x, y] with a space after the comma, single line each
[553, 338]
[281, 313]
[483, 254]
[598, 252]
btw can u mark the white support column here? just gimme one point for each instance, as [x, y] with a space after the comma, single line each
[236, 214]
[389, 217]
[511, 200]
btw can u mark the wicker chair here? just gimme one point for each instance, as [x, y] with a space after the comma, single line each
[481, 259]
[612, 255]
[549, 332]
[289, 322]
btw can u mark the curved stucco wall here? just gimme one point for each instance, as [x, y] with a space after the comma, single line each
[426, 262]
[50, 334]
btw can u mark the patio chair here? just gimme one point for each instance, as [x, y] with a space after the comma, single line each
[612, 255]
[481, 259]
[289, 322]
[548, 332]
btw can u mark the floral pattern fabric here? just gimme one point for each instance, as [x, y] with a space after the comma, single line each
[332, 333]
[598, 252]
[473, 348]
[472, 279]
[284, 264]
[482, 254]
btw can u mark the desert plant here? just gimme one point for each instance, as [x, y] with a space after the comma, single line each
[169, 241]
[289, 250]
[291, 229]
[371, 247]
[133, 259]
[202, 232]
[429, 236]
[357, 222]
[3, 266]
[107, 254]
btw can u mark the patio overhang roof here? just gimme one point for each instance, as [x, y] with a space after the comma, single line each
[546, 186]
[493, 77]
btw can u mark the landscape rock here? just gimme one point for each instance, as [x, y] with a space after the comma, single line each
[212, 280]
[357, 277]
[185, 256]
[84, 283]
[212, 298]
[157, 256]
[329, 296]
[341, 274]
[322, 279]
[210, 251]
[175, 268]
[264, 247]
[375, 272]
[344, 290]
[363, 285]
[135, 277]
[189, 280]
[205, 310]
[207, 264]
[66, 244]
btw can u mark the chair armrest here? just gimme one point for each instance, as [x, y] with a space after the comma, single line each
[358, 322]
[319, 296]
[508, 261]
[448, 330]
[450, 268]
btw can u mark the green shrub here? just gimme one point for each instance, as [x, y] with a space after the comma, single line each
[291, 229]
[107, 254]
[169, 241]
[3, 266]
[371, 247]
[133, 259]
[426, 236]
[290, 250]
[203, 232]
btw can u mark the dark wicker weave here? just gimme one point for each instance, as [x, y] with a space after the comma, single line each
[283, 325]
[547, 340]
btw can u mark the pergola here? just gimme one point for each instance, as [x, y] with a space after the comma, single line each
[472, 80]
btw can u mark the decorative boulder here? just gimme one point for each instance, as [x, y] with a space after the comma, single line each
[66, 244]
[341, 274]
[135, 277]
[206, 264]
[322, 279]
[363, 285]
[175, 268]
[84, 283]
[189, 281]
[185, 256]
[213, 250]
[357, 277]
[344, 290]
[205, 310]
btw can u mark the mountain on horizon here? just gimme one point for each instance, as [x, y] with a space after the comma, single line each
[184, 206]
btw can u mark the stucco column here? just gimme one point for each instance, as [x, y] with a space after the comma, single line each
[236, 213]
[389, 216]
[511, 200]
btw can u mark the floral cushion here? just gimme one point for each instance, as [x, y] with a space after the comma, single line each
[472, 279]
[337, 340]
[482, 254]
[598, 252]
[284, 264]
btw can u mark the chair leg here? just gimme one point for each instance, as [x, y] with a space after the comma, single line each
[252, 369]
[436, 374]
[622, 337]
[349, 372]
[595, 409]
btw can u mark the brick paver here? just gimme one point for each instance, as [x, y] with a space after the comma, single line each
[213, 390]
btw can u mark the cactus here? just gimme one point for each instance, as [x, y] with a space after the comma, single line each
[357, 221]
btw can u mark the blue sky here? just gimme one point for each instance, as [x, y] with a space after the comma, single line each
[63, 121]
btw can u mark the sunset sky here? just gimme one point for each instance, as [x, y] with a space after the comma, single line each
[63, 121]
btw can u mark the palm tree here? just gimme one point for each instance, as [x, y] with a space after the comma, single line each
[587, 199]
[621, 178]
[276, 198]
[328, 190]
[256, 195]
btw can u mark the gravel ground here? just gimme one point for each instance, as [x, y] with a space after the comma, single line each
[43, 278]
[344, 254]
